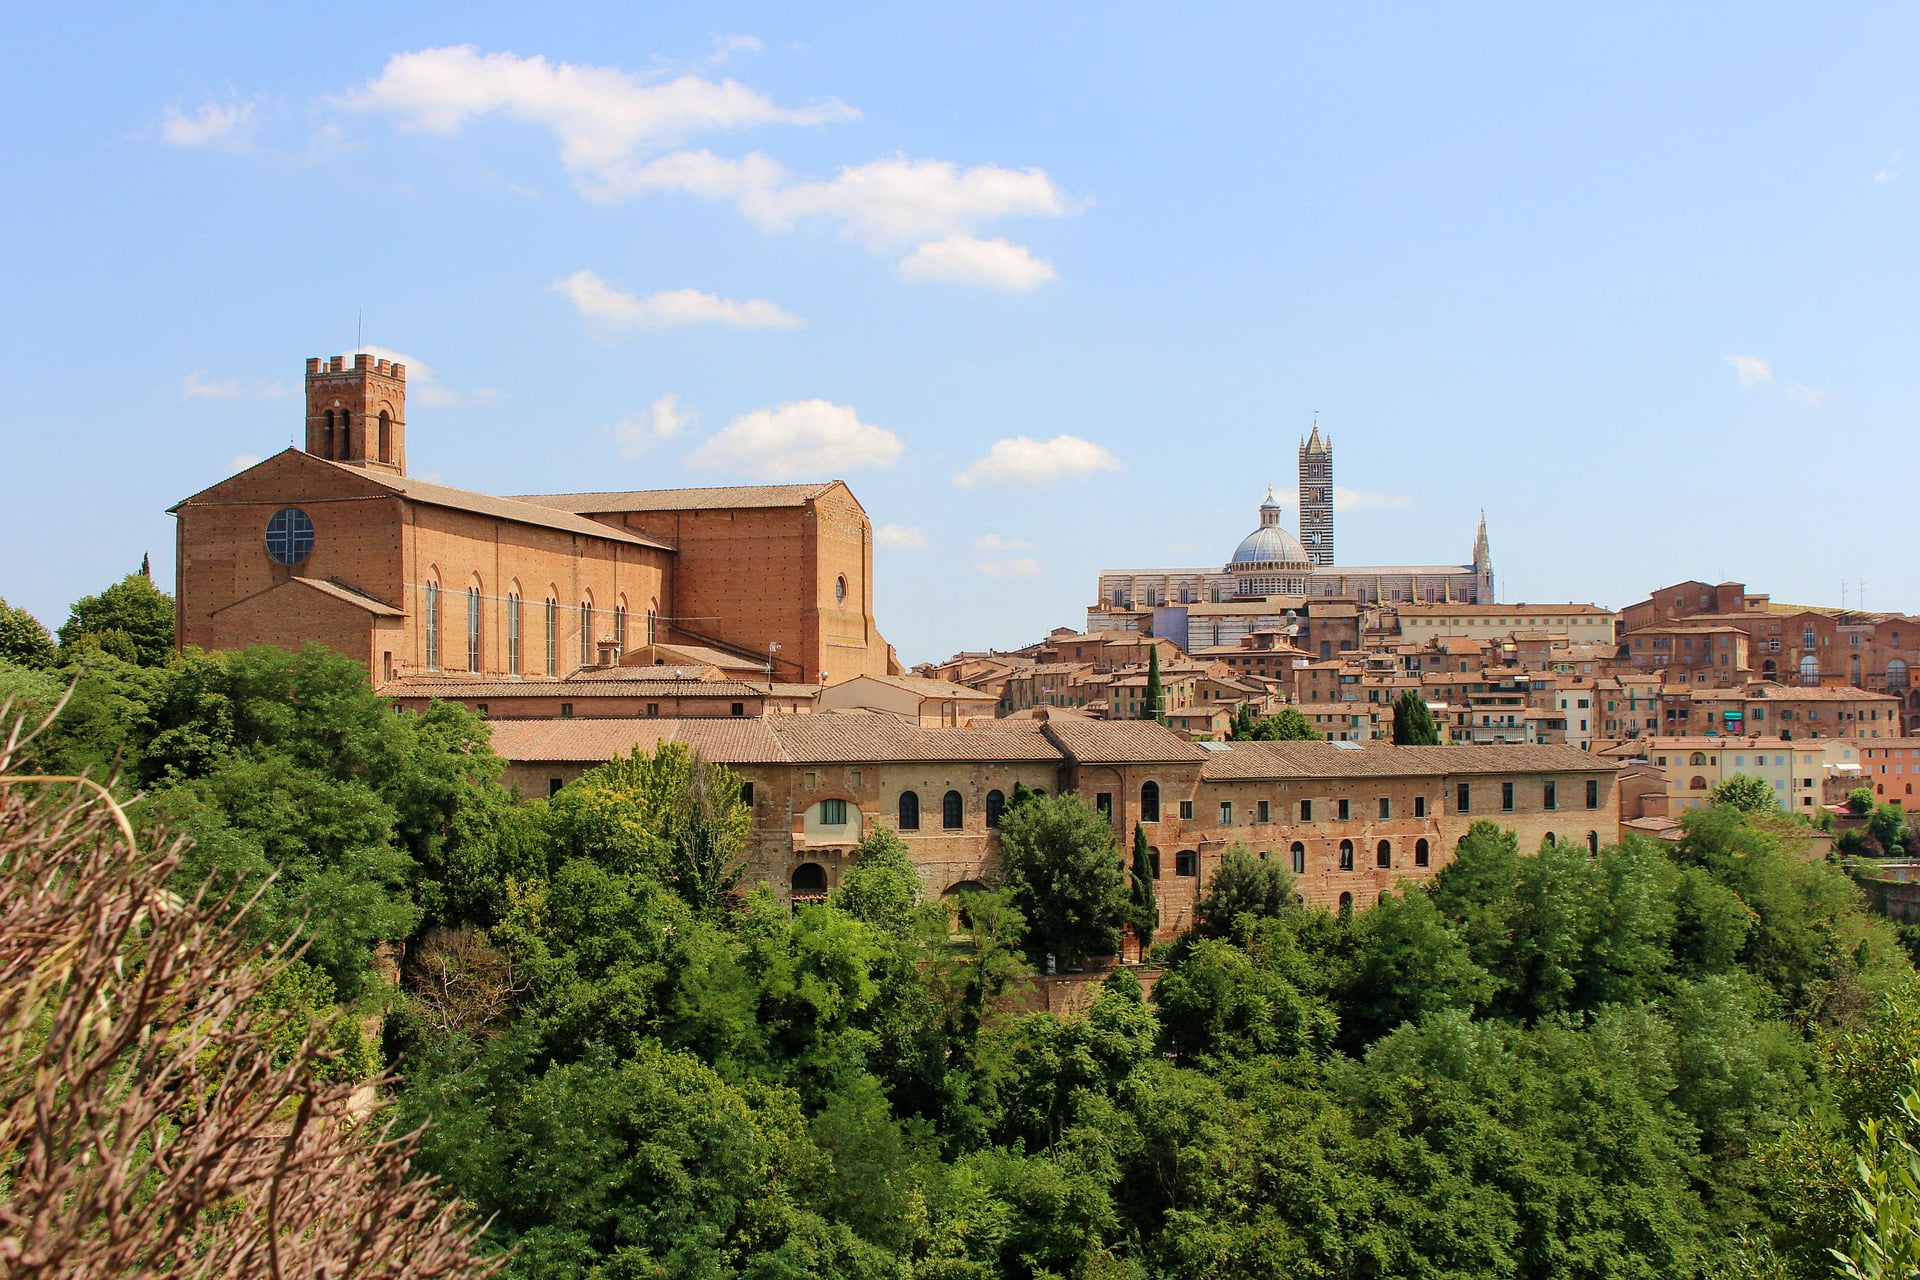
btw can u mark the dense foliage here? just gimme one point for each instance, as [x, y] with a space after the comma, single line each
[1413, 724]
[1647, 1061]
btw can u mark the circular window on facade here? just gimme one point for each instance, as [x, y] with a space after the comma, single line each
[840, 589]
[290, 535]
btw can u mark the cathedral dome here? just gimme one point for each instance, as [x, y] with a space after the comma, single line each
[1269, 546]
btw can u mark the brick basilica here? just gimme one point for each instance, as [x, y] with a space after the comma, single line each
[336, 543]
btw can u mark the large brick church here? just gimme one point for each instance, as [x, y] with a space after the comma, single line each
[336, 543]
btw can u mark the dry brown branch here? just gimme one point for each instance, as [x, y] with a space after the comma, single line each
[144, 1127]
[462, 982]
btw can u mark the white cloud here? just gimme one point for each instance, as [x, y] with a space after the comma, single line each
[900, 535]
[1009, 567]
[662, 420]
[1023, 460]
[994, 542]
[211, 125]
[1805, 396]
[1896, 165]
[604, 119]
[804, 438]
[198, 386]
[1347, 499]
[724, 47]
[1753, 371]
[598, 300]
[898, 201]
[970, 260]
[241, 461]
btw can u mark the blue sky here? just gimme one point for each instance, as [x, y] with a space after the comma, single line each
[1054, 288]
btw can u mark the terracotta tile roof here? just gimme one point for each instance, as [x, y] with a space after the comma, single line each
[1384, 760]
[717, 498]
[1819, 693]
[519, 509]
[1119, 741]
[1502, 610]
[928, 688]
[575, 741]
[823, 739]
[352, 597]
[449, 685]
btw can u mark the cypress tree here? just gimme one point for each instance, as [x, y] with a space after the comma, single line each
[1152, 708]
[1145, 909]
[1413, 724]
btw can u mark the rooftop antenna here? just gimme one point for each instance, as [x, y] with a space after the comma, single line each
[358, 315]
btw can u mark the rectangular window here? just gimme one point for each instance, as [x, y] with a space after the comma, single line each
[1104, 803]
[1386, 807]
[432, 612]
[480, 708]
[553, 638]
[833, 813]
[513, 634]
[1549, 795]
[554, 785]
[653, 708]
[1419, 806]
[566, 711]
[620, 628]
[1226, 813]
[1506, 797]
[1463, 798]
[1345, 809]
[739, 709]
[1186, 810]
[1306, 811]
[1265, 815]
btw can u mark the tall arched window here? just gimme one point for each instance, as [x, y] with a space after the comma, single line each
[1383, 855]
[431, 618]
[386, 438]
[650, 626]
[1346, 855]
[1422, 853]
[1593, 842]
[1553, 840]
[620, 625]
[1149, 802]
[473, 628]
[909, 810]
[553, 636]
[346, 434]
[1299, 852]
[513, 630]
[952, 811]
[996, 803]
[586, 632]
[1346, 904]
[1810, 669]
[326, 434]
[1896, 673]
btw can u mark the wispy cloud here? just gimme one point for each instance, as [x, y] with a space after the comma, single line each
[1008, 567]
[1890, 171]
[1022, 461]
[241, 461]
[213, 124]
[725, 47]
[601, 302]
[198, 386]
[423, 385]
[662, 420]
[970, 260]
[1757, 371]
[994, 542]
[900, 535]
[804, 438]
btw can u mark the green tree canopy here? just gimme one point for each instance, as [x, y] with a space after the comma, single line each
[132, 607]
[1153, 705]
[1144, 913]
[1746, 793]
[1243, 884]
[1413, 724]
[1288, 724]
[1059, 863]
[23, 640]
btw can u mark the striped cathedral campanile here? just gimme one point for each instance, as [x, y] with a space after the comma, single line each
[1316, 497]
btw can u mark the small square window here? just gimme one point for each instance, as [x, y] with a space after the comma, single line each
[566, 711]
[1226, 813]
[1186, 810]
[1386, 807]
[1419, 806]
[1345, 809]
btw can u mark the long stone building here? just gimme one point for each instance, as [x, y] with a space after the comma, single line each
[1351, 820]
[336, 543]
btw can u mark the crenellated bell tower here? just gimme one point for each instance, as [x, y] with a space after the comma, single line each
[358, 415]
